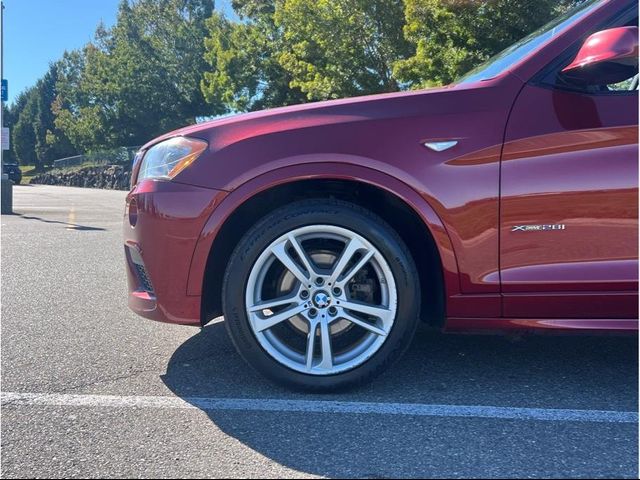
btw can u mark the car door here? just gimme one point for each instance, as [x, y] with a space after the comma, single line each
[569, 201]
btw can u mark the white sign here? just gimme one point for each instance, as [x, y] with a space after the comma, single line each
[5, 138]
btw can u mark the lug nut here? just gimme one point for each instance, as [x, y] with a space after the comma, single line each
[304, 294]
[319, 281]
[333, 311]
[313, 312]
[336, 291]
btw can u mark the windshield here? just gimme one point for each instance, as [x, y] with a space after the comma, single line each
[511, 55]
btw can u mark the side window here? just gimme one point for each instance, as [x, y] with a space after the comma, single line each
[624, 86]
[617, 77]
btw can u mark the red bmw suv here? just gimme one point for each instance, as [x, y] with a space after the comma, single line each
[325, 232]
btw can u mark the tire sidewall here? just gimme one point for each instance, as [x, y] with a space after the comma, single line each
[320, 212]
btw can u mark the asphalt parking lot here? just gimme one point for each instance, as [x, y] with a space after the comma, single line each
[91, 390]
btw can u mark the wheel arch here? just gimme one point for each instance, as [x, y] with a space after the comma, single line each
[394, 201]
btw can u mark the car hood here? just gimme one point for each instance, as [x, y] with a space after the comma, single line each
[232, 128]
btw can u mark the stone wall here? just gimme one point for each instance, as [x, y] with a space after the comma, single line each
[113, 177]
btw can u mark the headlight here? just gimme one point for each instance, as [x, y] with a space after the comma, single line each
[168, 158]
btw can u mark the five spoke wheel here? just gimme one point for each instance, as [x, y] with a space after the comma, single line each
[321, 299]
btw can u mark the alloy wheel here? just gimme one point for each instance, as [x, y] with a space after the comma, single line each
[321, 299]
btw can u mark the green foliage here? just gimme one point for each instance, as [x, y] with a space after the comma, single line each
[51, 143]
[166, 63]
[244, 71]
[23, 135]
[338, 48]
[137, 79]
[453, 36]
[35, 138]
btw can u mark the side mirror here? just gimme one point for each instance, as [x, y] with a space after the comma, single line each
[606, 57]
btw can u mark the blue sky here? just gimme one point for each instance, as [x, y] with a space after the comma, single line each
[37, 32]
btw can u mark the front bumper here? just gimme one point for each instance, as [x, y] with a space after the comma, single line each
[161, 226]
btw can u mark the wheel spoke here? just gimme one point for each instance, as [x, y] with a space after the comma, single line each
[301, 253]
[349, 251]
[311, 343]
[261, 324]
[380, 312]
[276, 302]
[280, 252]
[325, 343]
[361, 263]
[363, 324]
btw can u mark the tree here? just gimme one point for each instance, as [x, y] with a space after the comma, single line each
[165, 63]
[51, 143]
[35, 138]
[244, 71]
[12, 115]
[78, 111]
[23, 136]
[338, 48]
[452, 36]
[138, 79]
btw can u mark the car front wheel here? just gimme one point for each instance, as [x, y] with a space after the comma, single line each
[321, 294]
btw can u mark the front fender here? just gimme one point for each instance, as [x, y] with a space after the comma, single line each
[320, 171]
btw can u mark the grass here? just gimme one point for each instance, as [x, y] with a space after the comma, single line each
[27, 173]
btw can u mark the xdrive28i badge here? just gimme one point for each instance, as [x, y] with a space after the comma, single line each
[537, 228]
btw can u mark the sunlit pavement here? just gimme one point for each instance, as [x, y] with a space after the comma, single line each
[89, 389]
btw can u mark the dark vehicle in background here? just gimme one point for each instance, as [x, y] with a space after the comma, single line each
[13, 171]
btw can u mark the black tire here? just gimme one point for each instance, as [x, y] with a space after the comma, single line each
[324, 212]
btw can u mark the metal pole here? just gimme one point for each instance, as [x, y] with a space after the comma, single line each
[2, 76]
[6, 186]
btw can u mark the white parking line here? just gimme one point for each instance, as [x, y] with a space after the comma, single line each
[316, 406]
